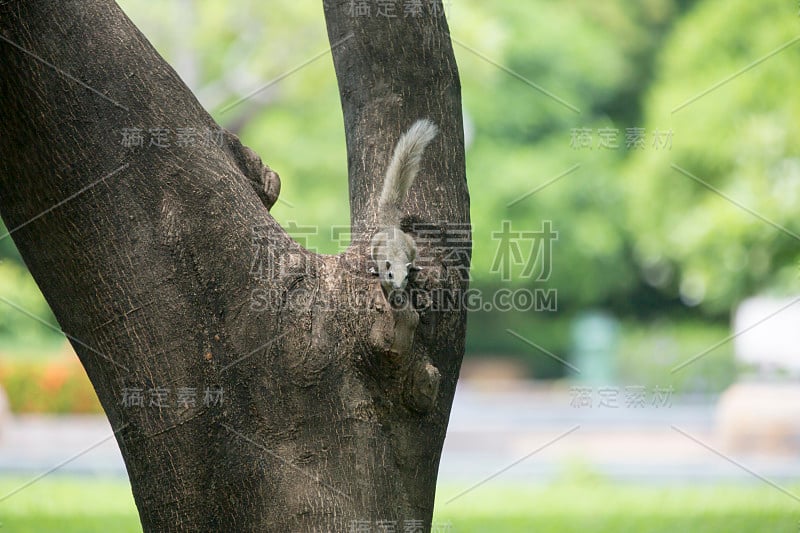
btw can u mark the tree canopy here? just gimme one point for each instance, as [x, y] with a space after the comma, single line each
[545, 87]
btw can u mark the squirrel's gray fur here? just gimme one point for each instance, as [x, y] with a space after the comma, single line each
[393, 250]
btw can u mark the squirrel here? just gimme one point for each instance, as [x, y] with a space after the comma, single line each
[393, 250]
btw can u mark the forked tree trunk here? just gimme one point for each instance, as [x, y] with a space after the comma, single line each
[333, 406]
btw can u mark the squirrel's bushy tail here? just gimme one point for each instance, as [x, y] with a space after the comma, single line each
[403, 167]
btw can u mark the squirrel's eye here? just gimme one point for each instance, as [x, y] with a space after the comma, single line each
[389, 275]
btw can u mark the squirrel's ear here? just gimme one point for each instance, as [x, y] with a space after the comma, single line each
[412, 267]
[388, 265]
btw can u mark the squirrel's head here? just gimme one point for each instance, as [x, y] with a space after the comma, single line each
[395, 275]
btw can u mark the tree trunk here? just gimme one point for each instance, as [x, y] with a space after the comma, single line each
[252, 385]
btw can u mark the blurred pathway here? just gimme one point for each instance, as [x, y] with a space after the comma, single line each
[535, 430]
[540, 431]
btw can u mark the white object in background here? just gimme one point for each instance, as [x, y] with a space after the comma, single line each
[767, 333]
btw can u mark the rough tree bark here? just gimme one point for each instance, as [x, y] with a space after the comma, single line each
[334, 405]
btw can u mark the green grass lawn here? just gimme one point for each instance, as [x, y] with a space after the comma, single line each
[81, 504]
[608, 508]
[67, 504]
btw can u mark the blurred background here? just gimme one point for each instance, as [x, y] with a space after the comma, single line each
[632, 351]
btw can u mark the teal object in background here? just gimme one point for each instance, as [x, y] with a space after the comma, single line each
[594, 340]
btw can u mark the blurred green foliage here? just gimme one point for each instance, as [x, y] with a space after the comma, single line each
[739, 139]
[21, 301]
[636, 236]
[658, 355]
